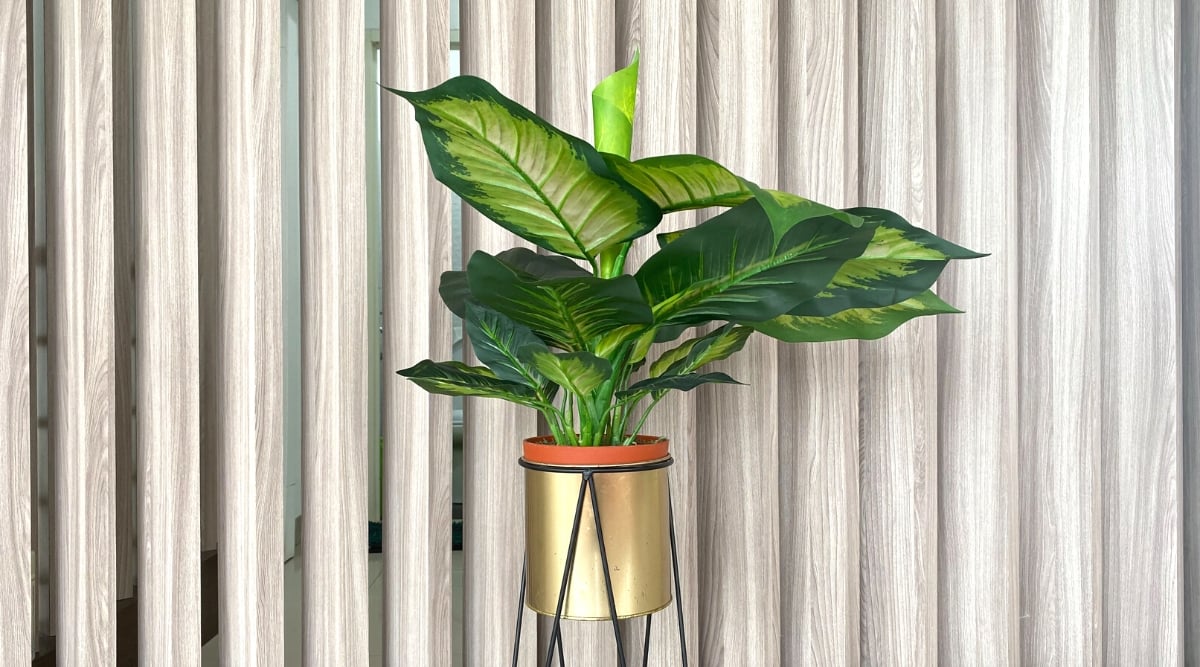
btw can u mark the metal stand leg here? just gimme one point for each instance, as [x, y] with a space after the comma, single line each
[612, 603]
[675, 573]
[555, 634]
[520, 614]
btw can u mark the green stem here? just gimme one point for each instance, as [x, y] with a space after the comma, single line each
[642, 422]
[612, 260]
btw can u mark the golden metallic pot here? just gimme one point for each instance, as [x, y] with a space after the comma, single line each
[634, 519]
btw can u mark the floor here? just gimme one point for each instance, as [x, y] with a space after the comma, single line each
[292, 579]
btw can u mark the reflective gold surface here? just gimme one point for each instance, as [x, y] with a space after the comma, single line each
[634, 516]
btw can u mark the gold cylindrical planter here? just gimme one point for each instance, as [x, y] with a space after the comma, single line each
[634, 515]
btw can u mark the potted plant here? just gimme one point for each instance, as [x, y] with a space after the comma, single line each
[570, 331]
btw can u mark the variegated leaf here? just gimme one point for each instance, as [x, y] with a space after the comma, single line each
[454, 378]
[613, 103]
[570, 313]
[528, 176]
[682, 182]
[901, 261]
[577, 372]
[733, 268]
[860, 323]
[784, 209]
[685, 382]
[697, 352]
[504, 346]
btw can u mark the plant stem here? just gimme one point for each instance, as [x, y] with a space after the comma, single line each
[641, 422]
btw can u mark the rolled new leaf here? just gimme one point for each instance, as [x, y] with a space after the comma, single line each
[614, 101]
[546, 186]
[856, 323]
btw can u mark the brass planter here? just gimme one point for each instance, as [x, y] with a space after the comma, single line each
[634, 516]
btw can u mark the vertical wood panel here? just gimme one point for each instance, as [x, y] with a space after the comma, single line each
[333, 252]
[567, 70]
[125, 481]
[898, 381]
[978, 545]
[1060, 346]
[241, 320]
[1136, 78]
[80, 270]
[416, 325]
[738, 444]
[1189, 33]
[167, 333]
[818, 384]
[498, 45]
[16, 425]
[665, 33]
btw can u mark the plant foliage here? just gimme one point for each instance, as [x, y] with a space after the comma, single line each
[570, 332]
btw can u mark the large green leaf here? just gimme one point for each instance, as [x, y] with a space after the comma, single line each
[454, 378]
[901, 261]
[455, 291]
[535, 180]
[571, 313]
[697, 352]
[613, 103]
[860, 323]
[577, 372]
[504, 345]
[526, 261]
[682, 182]
[686, 382]
[733, 268]
[784, 209]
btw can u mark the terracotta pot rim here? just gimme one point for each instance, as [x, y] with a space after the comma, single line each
[645, 448]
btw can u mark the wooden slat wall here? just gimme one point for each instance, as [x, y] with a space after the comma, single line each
[898, 375]
[168, 345]
[498, 45]
[417, 619]
[241, 319]
[818, 384]
[16, 424]
[737, 433]
[566, 75]
[665, 33]
[1060, 346]
[80, 256]
[1137, 189]
[333, 226]
[978, 590]
[1189, 36]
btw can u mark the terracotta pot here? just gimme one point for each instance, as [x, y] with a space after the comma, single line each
[634, 518]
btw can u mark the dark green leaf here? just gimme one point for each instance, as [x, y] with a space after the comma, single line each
[453, 378]
[686, 382]
[504, 345]
[455, 291]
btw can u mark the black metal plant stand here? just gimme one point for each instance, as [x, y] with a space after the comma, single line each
[587, 482]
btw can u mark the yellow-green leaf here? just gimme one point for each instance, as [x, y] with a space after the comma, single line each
[860, 323]
[613, 103]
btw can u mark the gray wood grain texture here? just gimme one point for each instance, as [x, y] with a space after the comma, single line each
[566, 75]
[333, 247]
[737, 453]
[125, 435]
[1137, 188]
[16, 425]
[898, 375]
[79, 214]
[818, 384]
[417, 246]
[1189, 35]
[978, 537]
[167, 326]
[498, 45]
[241, 320]
[665, 33]
[1060, 346]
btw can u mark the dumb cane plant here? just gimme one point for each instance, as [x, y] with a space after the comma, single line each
[566, 337]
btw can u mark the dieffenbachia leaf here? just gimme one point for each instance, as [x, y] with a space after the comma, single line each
[531, 178]
[504, 346]
[733, 268]
[455, 291]
[697, 352]
[577, 372]
[783, 208]
[454, 378]
[860, 323]
[613, 103]
[682, 182]
[568, 312]
[686, 382]
[526, 261]
[900, 261]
